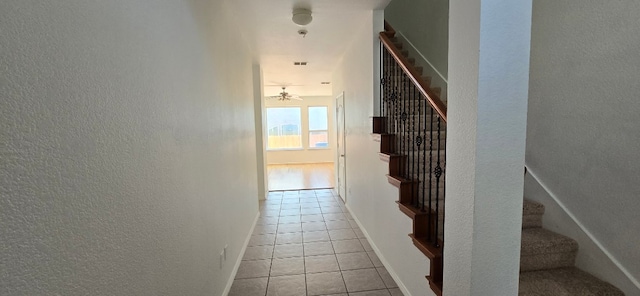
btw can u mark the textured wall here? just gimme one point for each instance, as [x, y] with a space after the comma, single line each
[582, 136]
[426, 24]
[127, 147]
[488, 86]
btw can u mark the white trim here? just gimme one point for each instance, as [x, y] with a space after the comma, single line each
[423, 57]
[392, 272]
[583, 228]
[239, 260]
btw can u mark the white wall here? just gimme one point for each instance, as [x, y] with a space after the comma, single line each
[261, 160]
[582, 136]
[488, 85]
[370, 197]
[426, 24]
[422, 26]
[305, 154]
[128, 153]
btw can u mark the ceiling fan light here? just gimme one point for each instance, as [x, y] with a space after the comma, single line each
[301, 16]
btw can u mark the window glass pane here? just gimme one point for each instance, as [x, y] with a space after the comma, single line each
[318, 139]
[284, 128]
[318, 119]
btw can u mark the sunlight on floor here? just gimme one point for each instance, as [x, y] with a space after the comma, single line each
[300, 176]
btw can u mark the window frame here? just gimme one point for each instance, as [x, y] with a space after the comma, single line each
[309, 130]
[301, 129]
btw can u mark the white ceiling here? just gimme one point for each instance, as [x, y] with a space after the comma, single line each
[277, 45]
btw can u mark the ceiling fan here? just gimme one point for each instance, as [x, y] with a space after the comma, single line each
[285, 96]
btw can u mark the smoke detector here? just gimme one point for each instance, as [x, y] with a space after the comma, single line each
[301, 16]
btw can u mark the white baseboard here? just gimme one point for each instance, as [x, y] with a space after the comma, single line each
[239, 260]
[384, 261]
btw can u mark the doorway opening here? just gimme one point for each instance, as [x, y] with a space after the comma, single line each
[299, 143]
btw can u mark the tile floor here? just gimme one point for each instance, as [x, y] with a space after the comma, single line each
[306, 243]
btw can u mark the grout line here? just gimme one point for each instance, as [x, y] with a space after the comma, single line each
[272, 254]
[304, 261]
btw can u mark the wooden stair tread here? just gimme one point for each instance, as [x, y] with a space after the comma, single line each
[411, 211]
[427, 247]
[398, 181]
[435, 286]
[384, 156]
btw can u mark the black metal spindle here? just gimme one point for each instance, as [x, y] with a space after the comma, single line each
[396, 100]
[419, 139]
[430, 132]
[386, 90]
[381, 94]
[414, 193]
[385, 95]
[414, 176]
[403, 117]
[438, 173]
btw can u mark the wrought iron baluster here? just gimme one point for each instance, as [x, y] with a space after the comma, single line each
[414, 176]
[403, 118]
[438, 172]
[396, 101]
[421, 168]
[430, 132]
[381, 94]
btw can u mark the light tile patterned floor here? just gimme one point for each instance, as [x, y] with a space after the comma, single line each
[306, 243]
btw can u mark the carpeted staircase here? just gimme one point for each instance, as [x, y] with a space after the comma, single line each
[547, 262]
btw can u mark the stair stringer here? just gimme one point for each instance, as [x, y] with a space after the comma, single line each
[407, 188]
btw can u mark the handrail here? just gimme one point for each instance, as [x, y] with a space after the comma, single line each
[415, 77]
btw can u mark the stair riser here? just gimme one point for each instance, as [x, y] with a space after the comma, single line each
[531, 221]
[547, 261]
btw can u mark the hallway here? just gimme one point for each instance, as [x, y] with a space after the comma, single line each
[306, 243]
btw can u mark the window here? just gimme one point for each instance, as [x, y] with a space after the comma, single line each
[284, 128]
[318, 127]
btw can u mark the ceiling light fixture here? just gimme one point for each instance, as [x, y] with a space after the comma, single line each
[285, 96]
[301, 16]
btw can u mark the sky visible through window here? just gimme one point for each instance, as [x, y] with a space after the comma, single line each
[283, 116]
[318, 118]
[284, 128]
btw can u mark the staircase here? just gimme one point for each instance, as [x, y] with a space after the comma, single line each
[411, 129]
[547, 261]
[412, 133]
